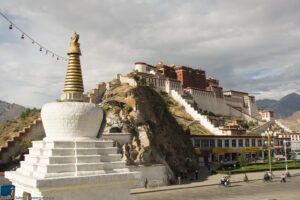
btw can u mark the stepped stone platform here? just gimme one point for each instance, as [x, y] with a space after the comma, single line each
[53, 168]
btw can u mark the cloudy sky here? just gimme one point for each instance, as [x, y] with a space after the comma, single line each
[252, 46]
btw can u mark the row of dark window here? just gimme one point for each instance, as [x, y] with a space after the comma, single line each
[206, 143]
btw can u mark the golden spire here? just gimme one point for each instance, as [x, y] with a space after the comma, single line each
[73, 90]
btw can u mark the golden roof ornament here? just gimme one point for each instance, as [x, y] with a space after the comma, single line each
[73, 90]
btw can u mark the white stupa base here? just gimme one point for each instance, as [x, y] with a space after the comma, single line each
[73, 170]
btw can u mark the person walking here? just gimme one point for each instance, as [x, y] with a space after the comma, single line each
[146, 183]
[246, 178]
[179, 179]
[196, 174]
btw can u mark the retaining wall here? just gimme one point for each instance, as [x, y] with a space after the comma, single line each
[156, 175]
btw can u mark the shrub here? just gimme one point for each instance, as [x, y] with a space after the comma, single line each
[242, 160]
[105, 107]
[127, 108]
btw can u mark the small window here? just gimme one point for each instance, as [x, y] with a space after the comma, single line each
[204, 143]
[197, 143]
[220, 143]
[247, 143]
[212, 143]
[253, 143]
[259, 143]
[241, 144]
[233, 143]
[226, 143]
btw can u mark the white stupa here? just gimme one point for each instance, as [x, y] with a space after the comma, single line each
[71, 163]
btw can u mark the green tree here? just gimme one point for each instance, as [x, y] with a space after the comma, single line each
[242, 160]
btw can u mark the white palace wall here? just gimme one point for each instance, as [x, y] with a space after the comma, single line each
[208, 101]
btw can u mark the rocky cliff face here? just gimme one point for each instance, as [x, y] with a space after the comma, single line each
[9, 111]
[157, 136]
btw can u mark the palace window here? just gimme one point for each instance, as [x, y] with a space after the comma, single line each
[220, 143]
[259, 143]
[241, 144]
[227, 143]
[253, 143]
[204, 143]
[247, 143]
[212, 143]
[233, 143]
[197, 143]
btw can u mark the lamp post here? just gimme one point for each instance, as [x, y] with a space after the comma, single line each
[286, 165]
[269, 135]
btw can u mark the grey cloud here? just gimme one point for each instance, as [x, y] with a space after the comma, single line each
[225, 38]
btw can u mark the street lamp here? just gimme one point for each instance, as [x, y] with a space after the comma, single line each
[270, 135]
[286, 165]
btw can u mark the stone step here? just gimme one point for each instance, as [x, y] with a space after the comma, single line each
[72, 159]
[61, 168]
[70, 144]
[66, 174]
[72, 151]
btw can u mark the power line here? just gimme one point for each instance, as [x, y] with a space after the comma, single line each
[42, 47]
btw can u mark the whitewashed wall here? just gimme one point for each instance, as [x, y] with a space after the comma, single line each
[155, 174]
[129, 81]
[207, 100]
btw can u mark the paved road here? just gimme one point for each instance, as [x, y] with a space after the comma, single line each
[254, 190]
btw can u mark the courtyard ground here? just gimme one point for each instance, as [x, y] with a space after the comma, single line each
[255, 189]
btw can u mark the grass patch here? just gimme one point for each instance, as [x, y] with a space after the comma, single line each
[253, 133]
[257, 167]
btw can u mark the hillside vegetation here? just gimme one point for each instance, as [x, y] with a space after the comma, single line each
[10, 129]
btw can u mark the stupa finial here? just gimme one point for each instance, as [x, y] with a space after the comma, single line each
[73, 90]
[74, 45]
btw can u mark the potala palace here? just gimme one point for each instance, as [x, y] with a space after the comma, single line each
[195, 92]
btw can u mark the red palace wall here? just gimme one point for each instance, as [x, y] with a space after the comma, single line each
[194, 78]
[189, 77]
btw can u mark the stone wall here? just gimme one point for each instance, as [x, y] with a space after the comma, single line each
[124, 79]
[206, 100]
[263, 127]
[121, 138]
[156, 175]
[236, 113]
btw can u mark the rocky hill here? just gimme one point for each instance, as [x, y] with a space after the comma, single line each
[283, 108]
[292, 122]
[156, 123]
[9, 111]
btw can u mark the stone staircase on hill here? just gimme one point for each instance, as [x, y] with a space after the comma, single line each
[12, 147]
[203, 119]
[263, 127]
[243, 115]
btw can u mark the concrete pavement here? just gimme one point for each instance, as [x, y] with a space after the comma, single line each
[213, 180]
